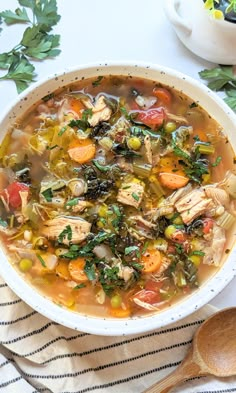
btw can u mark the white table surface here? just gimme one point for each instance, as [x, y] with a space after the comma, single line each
[103, 30]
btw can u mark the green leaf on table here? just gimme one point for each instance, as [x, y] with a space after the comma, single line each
[5, 60]
[19, 16]
[231, 99]
[219, 77]
[27, 3]
[38, 44]
[46, 13]
[21, 71]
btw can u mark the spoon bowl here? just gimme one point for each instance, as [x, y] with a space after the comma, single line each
[213, 352]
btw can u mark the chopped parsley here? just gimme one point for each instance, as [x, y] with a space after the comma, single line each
[62, 130]
[131, 249]
[48, 194]
[89, 270]
[217, 161]
[97, 82]
[72, 202]
[135, 196]
[3, 223]
[41, 260]
[87, 113]
[79, 286]
[66, 233]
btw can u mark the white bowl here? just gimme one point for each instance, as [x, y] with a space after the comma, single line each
[212, 39]
[108, 326]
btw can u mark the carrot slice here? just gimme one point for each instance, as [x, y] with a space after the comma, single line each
[82, 150]
[173, 180]
[62, 270]
[76, 105]
[163, 95]
[151, 261]
[76, 269]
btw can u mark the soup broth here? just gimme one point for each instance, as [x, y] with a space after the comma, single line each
[116, 196]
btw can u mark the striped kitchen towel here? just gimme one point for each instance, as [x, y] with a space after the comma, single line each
[38, 355]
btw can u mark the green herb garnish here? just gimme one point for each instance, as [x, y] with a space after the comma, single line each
[62, 130]
[36, 42]
[66, 233]
[81, 124]
[89, 270]
[217, 161]
[135, 196]
[101, 168]
[87, 113]
[3, 223]
[41, 260]
[79, 286]
[131, 249]
[97, 82]
[72, 202]
[48, 195]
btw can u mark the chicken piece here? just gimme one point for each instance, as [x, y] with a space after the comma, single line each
[140, 220]
[213, 253]
[218, 195]
[148, 148]
[81, 206]
[190, 200]
[79, 229]
[198, 209]
[131, 194]
[101, 112]
[181, 192]
[124, 165]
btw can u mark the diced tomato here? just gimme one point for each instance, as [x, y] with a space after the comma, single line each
[133, 106]
[152, 117]
[207, 225]
[179, 237]
[163, 95]
[153, 285]
[150, 297]
[11, 194]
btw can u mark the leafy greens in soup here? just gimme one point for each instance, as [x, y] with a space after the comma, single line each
[115, 199]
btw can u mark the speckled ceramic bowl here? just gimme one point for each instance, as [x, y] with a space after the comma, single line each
[213, 285]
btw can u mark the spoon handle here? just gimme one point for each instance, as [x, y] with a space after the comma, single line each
[187, 369]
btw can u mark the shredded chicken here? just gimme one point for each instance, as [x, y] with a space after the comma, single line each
[213, 253]
[131, 194]
[101, 112]
[79, 228]
[148, 148]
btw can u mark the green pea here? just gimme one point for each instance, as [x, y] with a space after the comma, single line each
[134, 143]
[116, 301]
[170, 127]
[169, 231]
[178, 220]
[25, 264]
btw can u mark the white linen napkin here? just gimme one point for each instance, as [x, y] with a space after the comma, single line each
[38, 355]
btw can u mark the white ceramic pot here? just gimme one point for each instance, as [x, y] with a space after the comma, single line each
[215, 283]
[212, 39]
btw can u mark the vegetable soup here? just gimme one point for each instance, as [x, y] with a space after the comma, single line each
[116, 196]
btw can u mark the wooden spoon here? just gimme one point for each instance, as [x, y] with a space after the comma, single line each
[213, 352]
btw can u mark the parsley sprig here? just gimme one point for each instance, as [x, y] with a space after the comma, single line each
[36, 42]
[222, 78]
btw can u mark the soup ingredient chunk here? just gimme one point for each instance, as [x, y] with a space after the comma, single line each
[66, 229]
[131, 193]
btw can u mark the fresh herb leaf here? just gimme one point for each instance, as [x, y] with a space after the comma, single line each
[131, 249]
[35, 43]
[219, 77]
[135, 196]
[89, 270]
[101, 168]
[87, 113]
[72, 202]
[124, 112]
[97, 82]
[66, 233]
[81, 124]
[62, 130]
[10, 17]
[21, 71]
[145, 246]
[3, 223]
[231, 98]
[217, 161]
[48, 97]
[198, 252]
[48, 194]
[79, 286]
[41, 260]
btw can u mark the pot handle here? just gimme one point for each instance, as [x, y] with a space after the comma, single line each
[171, 9]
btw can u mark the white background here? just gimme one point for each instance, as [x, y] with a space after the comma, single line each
[103, 30]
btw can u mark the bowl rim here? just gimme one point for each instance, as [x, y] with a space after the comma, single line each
[110, 326]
